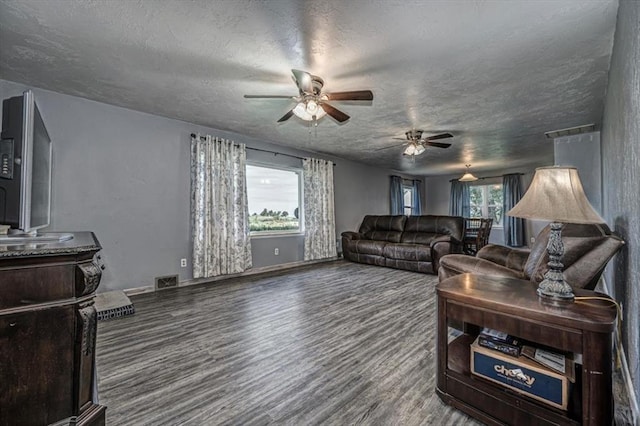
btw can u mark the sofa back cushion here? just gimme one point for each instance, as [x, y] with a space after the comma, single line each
[423, 229]
[383, 228]
[587, 249]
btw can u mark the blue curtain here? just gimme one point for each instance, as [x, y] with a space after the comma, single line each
[513, 226]
[459, 201]
[417, 198]
[397, 202]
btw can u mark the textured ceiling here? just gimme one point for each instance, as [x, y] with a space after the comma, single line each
[496, 74]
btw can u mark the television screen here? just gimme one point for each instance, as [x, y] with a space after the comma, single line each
[40, 197]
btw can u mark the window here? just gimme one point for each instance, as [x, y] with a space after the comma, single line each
[486, 201]
[407, 199]
[274, 199]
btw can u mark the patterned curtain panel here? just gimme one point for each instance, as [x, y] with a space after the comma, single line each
[417, 198]
[397, 200]
[319, 214]
[513, 226]
[219, 209]
[459, 201]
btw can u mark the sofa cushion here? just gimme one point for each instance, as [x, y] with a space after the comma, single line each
[423, 229]
[418, 237]
[367, 247]
[424, 267]
[577, 239]
[411, 252]
[383, 228]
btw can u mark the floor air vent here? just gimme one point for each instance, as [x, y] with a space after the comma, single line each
[169, 281]
[113, 304]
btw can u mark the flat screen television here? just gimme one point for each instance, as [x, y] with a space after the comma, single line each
[25, 166]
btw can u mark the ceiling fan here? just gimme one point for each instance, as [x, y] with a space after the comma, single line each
[312, 102]
[416, 144]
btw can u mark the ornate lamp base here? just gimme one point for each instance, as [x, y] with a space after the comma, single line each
[554, 286]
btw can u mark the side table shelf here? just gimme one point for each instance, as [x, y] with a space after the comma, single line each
[471, 302]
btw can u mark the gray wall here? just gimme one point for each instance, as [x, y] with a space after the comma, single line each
[438, 189]
[621, 175]
[583, 152]
[125, 175]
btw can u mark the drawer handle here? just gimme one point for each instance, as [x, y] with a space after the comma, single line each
[12, 324]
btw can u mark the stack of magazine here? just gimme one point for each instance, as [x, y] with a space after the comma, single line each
[507, 344]
[499, 341]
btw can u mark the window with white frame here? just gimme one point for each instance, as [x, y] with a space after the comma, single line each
[274, 196]
[486, 201]
[407, 199]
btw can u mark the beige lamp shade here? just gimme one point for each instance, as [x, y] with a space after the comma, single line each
[556, 194]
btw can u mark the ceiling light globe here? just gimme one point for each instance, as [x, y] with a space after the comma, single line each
[312, 107]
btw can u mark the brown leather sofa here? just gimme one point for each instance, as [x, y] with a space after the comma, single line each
[415, 243]
[587, 249]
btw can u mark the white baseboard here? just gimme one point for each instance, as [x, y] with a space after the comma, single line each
[248, 272]
[139, 290]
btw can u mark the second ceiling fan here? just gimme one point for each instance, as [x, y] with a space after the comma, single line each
[416, 144]
[312, 101]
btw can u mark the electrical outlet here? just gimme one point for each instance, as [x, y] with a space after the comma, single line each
[533, 240]
[183, 263]
[276, 251]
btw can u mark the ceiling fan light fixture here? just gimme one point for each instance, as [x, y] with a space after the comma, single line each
[309, 113]
[410, 149]
[414, 149]
[468, 176]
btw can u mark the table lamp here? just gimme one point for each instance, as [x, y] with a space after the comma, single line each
[556, 194]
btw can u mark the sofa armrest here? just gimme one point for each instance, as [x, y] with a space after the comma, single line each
[504, 256]
[441, 246]
[350, 235]
[456, 264]
[452, 244]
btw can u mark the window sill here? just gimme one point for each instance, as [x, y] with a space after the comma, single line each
[276, 234]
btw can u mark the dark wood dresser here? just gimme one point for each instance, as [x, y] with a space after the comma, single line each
[48, 332]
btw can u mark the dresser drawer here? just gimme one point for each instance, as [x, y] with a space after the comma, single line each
[21, 287]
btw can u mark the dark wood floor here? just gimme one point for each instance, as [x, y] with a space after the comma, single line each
[336, 343]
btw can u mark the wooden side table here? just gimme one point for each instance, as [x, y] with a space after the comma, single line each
[512, 306]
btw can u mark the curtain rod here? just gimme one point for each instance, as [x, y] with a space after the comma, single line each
[490, 177]
[193, 135]
[410, 180]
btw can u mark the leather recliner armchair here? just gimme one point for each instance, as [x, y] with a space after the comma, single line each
[587, 250]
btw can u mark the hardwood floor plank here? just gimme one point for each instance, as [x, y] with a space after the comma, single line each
[334, 343]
